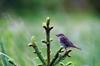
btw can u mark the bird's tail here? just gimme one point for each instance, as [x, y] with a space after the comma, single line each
[76, 47]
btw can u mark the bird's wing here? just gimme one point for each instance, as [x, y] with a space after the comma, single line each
[66, 41]
[63, 40]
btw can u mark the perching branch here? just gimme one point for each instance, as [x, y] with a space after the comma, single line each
[62, 57]
[55, 57]
[47, 42]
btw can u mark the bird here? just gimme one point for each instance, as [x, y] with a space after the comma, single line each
[65, 42]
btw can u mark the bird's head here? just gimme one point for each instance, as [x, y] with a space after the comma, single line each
[60, 35]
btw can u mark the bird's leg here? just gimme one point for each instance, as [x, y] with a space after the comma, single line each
[66, 49]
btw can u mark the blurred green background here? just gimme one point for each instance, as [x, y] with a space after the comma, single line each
[78, 19]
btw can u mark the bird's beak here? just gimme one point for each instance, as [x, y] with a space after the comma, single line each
[56, 35]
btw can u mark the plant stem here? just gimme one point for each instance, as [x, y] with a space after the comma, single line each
[9, 59]
[47, 30]
[38, 53]
[48, 44]
[55, 57]
[62, 57]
